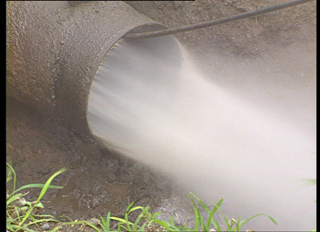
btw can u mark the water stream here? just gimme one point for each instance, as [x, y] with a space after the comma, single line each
[171, 118]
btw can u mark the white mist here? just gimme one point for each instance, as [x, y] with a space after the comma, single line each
[174, 120]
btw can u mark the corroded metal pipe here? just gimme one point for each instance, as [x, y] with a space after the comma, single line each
[54, 50]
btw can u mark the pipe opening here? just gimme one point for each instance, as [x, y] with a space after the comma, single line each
[134, 78]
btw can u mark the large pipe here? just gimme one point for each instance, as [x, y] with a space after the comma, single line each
[54, 50]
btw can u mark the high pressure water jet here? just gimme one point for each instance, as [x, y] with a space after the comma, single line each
[145, 99]
[213, 142]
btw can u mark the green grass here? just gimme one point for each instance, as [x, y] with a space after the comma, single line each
[23, 215]
[20, 213]
[150, 221]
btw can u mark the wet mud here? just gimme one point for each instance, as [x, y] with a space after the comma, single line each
[96, 182]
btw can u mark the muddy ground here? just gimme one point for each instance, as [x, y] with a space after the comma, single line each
[97, 181]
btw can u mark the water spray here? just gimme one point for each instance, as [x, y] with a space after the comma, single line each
[94, 67]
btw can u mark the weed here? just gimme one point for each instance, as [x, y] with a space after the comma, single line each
[151, 221]
[22, 215]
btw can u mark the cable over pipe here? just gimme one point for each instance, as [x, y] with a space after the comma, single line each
[215, 22]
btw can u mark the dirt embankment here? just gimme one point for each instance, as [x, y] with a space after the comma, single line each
[247, 37]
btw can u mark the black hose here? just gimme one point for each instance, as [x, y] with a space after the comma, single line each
[214, 22]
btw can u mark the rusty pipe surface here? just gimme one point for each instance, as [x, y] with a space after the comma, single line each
[54, 50]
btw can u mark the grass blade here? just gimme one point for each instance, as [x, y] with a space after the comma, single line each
[197, 214]
[272, 219]
[245, 221]
[43, 216]
[216, 207]
[135, 225]
[39, 186]
[86, 222]
[47, 184]
[106, 224]
[14, 177]
[9, 175]
[201, 202]
[238, 224]
[144, 214]
[161, 223]
[142, 227]
[216, 225]
[135, 208]
[121, 220]
[128, 208]
[13, 198]
[43, 191]
[308, 181]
